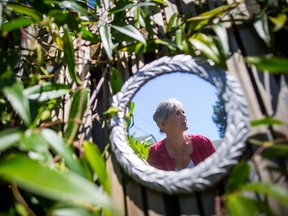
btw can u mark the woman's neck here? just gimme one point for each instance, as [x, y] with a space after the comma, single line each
[176, 140]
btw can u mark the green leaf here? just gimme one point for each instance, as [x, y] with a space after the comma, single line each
[238, 177]
[141, 148]
[8, 137]
[115, 79]
[112, 110]
[46, 91]
[74, 7]
[172, 22]
[118, 9]
[14, 93]
[129, 31]
[87, 35]
[34, 14]
[271, 190]
[66, 187]
[272, 65]
[16, 24]
[62, 149]
[105, 35]
[223, 38]
[1, 18]
[276, 151]
[170, 44]
[205, 18]
[278, 21]
[77, 109]
[73, 211]
[94, 158]
[69, 55]
[266, 121]
[262, 28]
[239, 205]
[206, 45]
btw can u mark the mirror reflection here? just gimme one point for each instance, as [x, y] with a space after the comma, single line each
[193, 117]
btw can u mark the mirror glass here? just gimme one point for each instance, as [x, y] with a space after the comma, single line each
[197, 96]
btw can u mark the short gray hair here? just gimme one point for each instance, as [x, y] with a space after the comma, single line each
[164, 110]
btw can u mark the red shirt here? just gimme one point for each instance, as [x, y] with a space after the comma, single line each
[159, 157]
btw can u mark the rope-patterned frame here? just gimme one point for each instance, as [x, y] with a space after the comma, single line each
[213, 168]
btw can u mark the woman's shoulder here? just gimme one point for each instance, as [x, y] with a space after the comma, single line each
[198, 137]
[157, 146]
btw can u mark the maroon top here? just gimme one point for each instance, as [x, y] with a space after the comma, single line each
[159, 157]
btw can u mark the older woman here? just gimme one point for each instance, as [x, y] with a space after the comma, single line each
[178, 150]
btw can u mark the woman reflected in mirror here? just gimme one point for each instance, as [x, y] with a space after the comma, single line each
[177, 150]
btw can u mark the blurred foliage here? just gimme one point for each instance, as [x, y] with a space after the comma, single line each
[141, 148]
[47, 167]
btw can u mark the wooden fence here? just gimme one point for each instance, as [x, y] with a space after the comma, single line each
[266, 95]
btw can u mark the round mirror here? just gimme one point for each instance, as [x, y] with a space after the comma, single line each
[213, 168]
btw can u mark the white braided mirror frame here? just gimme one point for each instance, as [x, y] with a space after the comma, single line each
[212, 169]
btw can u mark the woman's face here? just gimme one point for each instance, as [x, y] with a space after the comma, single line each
[176, 122]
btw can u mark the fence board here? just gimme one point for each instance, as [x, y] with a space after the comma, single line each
[134, 198]
[155, 203]
[117, 192]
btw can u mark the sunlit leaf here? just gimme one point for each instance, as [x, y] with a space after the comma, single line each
[112, 110]
[266, 121]
[240, 205]
[46, 91]
[271, 65]
[179, 37]
[69, 55]
[8, 137]
[238, 177]
[73, 211]
[206, 45]
[14, 93]
[87, 35]
[73, 6]
[262, 28]
[273, 191]
[118, 9]
[223, 38]
[129, 31]
[172, 22]
[139, 18]
[205, 18]
[59, 147]
[22, 9]
[94, 157]
[105, 36]
[170, 44]
[16, 24]
[77, 109]
[278, 21]
[66, 187]
[140, 148]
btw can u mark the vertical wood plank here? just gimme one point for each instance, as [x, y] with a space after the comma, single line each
[117, 193]
[155, 203]
[134, 199]
[188, 204]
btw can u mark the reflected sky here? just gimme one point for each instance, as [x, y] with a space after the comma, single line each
[197, 95]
